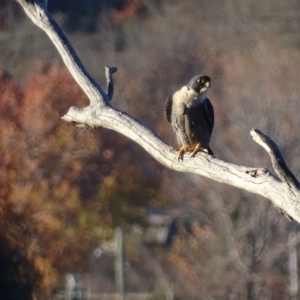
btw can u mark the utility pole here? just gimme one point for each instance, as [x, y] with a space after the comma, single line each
[292, 242]
[70, 285]
[119, 273]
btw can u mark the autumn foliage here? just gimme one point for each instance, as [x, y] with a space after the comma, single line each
[64, 189]
[61, 190]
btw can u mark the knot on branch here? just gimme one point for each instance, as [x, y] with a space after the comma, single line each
[258, 172]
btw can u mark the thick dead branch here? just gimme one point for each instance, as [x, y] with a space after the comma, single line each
[284, 193]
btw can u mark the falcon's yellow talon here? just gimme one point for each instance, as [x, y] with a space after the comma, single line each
[181, 152]
[195, 151]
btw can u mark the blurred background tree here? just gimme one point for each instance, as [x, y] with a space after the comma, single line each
[64, 189]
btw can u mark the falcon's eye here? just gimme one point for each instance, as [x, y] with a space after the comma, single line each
[200, 81]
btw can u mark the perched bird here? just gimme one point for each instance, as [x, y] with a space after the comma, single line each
[192, 116]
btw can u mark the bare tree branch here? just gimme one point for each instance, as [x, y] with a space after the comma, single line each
[283, 192]
[37, 12]
[277, 159]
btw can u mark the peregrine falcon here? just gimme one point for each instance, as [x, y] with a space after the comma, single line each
[192, 116]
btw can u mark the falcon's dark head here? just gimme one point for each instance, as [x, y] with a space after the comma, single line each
[200, 83]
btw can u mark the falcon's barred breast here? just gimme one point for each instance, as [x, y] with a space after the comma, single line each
[192, 116]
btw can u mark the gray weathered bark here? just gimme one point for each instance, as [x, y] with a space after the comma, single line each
[283, 192]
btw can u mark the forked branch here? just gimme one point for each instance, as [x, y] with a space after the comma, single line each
[283, 192]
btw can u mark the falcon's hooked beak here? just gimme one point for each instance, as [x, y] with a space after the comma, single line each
[206, 87]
